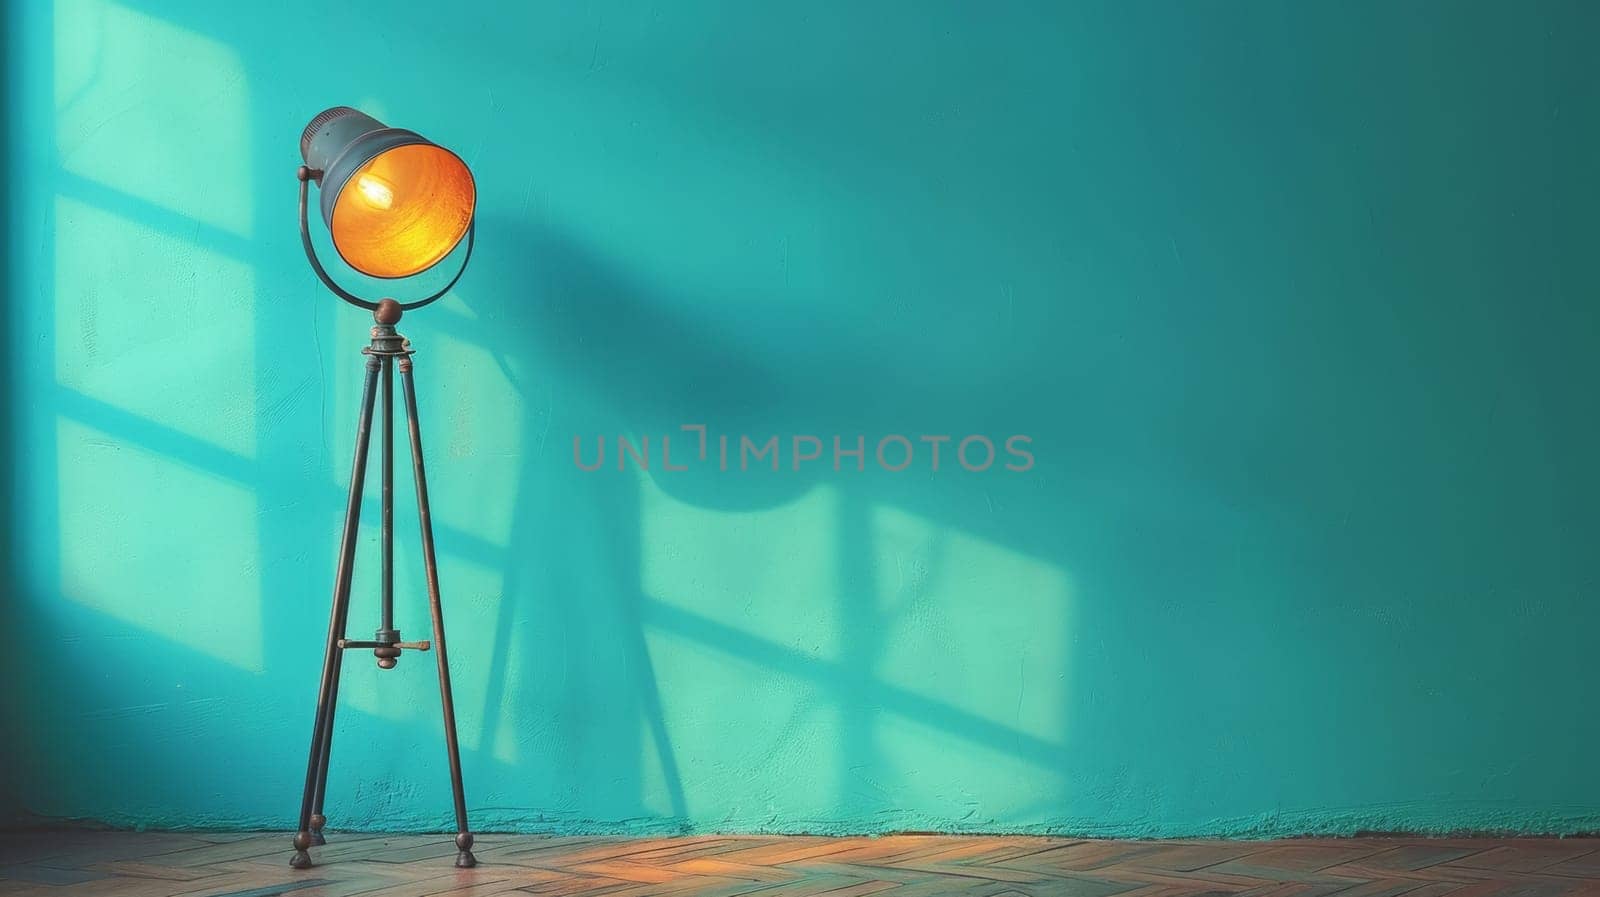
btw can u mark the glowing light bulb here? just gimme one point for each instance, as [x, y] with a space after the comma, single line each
[375, 191]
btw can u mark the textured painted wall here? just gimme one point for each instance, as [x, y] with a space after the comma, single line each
[1297, 302]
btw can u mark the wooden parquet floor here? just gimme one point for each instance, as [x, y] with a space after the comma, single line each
[143, 864]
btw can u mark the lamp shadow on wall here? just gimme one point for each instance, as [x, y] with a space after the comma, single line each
[625, 362]
[595, 341]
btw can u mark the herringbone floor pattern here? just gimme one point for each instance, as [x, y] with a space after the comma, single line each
[133, 864]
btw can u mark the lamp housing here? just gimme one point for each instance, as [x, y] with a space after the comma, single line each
[394, 202]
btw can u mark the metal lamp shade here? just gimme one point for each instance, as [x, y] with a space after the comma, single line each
[395, 203]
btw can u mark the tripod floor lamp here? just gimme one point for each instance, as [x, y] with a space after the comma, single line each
[395, 205]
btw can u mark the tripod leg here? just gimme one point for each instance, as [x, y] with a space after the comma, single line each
[318, 818]
[464, 857]
[322, 729]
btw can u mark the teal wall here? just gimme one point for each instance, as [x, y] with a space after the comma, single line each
[1297, 302]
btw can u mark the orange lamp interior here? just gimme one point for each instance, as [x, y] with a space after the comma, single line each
[403, 211]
